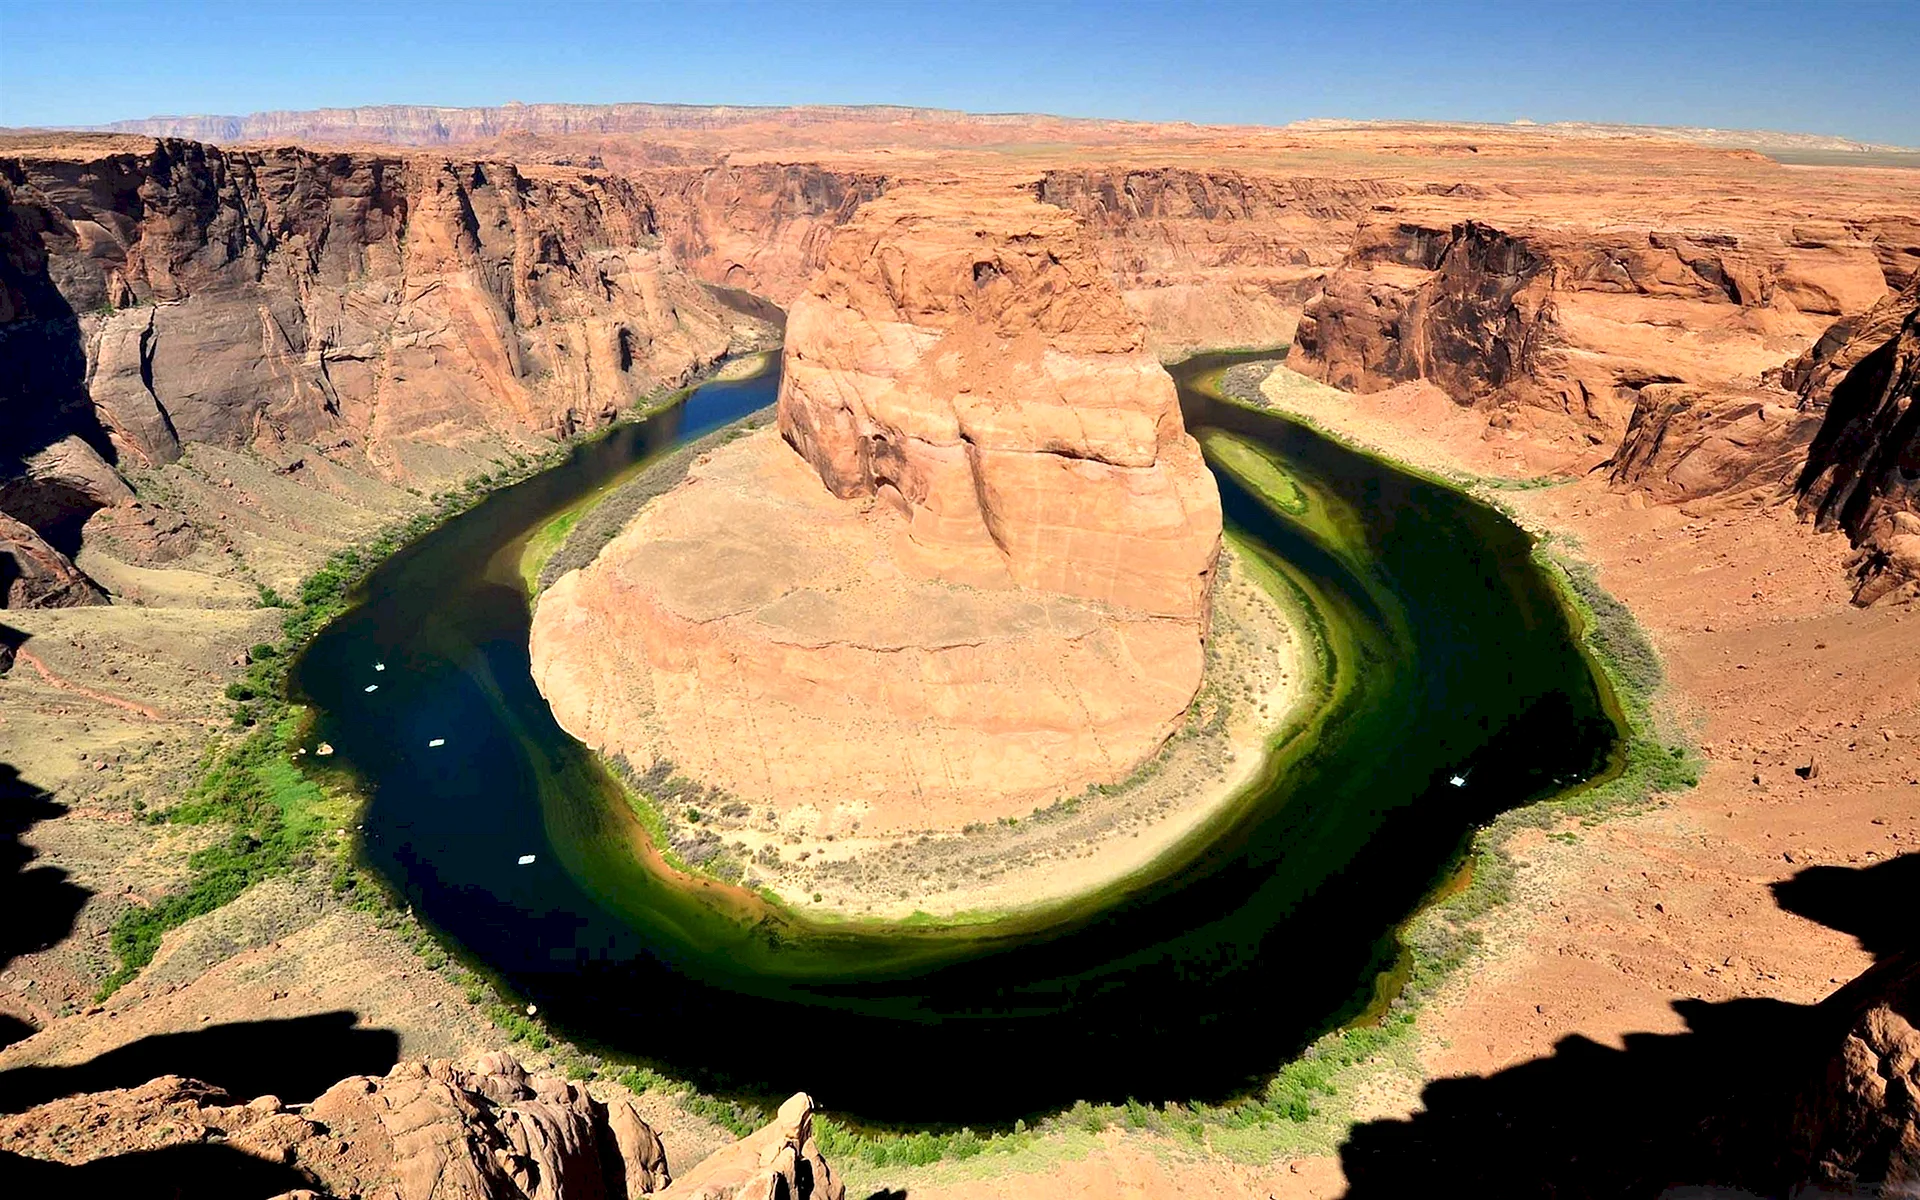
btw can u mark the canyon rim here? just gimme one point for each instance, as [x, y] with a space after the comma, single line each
[946, 622]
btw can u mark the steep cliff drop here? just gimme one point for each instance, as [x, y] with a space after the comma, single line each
[970, 573]
[356, 323]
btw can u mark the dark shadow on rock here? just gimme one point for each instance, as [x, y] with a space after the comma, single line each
[39, 903]
[1711, 1106]
[197, 1171]
[1875, 904]
[295, 1059]
[13, 1029]
[888, 1194]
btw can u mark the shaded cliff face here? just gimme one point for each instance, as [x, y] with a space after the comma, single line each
[376, 309]
[1557, 330]
[1862, 471]
[964, 357]
[1836, 427]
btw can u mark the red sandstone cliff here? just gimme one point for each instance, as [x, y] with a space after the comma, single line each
[1556, 330]
[964, 357]
[375, 308]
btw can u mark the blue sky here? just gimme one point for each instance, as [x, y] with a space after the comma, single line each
[1845, 67]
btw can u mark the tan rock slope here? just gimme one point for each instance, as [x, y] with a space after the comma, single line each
[997, 597]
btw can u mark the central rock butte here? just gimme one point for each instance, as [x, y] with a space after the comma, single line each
[969, 573]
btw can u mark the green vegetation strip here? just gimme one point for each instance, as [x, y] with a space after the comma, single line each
[277, 815]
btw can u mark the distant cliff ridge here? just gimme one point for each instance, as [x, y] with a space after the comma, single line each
[434, 125]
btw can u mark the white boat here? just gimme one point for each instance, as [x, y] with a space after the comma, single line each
[1457, 780]
[379, 666]
[525, 859]
[437, 742]
[373, 687]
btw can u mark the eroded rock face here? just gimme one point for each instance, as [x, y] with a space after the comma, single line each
[1858, 1122]
[791, 648]
[1686, 442]
[427, 1130]
[781, 1160]
[380, 310]
[965, 358]
[1862, 472]
[1557, 331]
[35, 575]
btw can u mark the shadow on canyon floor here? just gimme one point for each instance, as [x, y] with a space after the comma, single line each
[192, 1172]
[40, 903]
[295, 1059]
[1706, 1107]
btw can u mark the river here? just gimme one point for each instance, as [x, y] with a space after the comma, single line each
[1453, 687]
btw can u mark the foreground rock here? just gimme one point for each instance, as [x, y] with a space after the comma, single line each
[1858, 1122]
[999, 594]
[428, 1130]
[35, 575]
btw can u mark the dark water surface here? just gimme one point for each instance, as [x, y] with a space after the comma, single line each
[1448, 655]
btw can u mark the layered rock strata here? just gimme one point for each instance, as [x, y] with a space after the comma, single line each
[973, 577]
[1862, 471]
[407, 317]
[1556, 332]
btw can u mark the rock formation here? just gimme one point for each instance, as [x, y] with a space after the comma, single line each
[35, 575]
[1837, 426]
[1862, 471]
[384, 311]
[997, 598]
[428, 1130]
[1558, 331]
[1857, 1123]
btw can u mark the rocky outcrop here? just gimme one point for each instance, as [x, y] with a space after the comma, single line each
[963, 358]
[1862, 470]
[780, 1160]
[980, 584]
[1685, 442]
[35, 575]
[427, 1130]
[1836, 428]
[1857, 1123]
[1556, 331]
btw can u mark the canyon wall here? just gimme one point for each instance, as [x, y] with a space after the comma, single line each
[1556, 330]
[1836, 429]
[408, 317]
